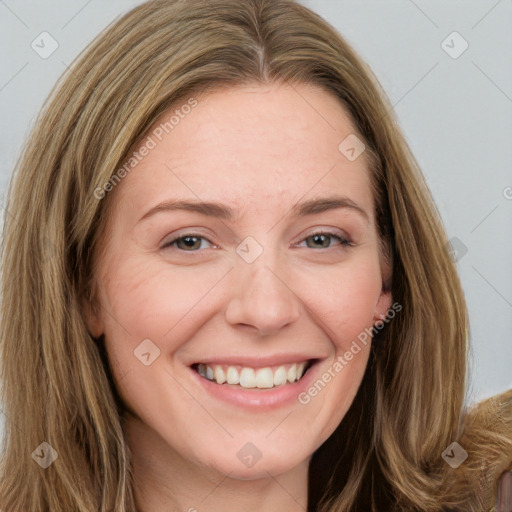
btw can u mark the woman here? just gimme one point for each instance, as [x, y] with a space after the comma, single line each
[225, 284]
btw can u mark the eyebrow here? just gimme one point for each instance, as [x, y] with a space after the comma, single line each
[214, 209]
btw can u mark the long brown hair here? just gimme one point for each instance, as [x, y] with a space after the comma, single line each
[57, 386]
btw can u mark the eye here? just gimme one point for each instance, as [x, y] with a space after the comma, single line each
[189, 242]
[322, 239]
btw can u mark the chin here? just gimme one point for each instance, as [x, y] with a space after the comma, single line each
[273, 464]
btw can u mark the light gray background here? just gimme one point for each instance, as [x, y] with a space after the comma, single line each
[455, 113]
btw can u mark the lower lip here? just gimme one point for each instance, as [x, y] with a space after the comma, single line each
[262, 399]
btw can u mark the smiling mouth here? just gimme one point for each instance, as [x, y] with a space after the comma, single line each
[254, 378]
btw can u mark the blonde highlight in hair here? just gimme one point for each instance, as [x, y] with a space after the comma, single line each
[56, 380]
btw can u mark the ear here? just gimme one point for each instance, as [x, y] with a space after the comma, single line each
[92, 317]
[385, 298]
[382, 306]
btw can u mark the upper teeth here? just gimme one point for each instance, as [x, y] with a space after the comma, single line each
[253, 378]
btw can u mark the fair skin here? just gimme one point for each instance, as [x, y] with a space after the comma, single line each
[258, 150]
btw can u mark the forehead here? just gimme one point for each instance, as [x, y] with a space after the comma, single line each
[261, 146]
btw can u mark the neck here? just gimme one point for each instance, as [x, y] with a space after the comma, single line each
[165, 481]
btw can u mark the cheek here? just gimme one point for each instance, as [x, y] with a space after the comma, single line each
[344, 306]
[344, 300]
[168, 305]
[150, 301]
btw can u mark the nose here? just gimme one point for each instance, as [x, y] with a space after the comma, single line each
[262, 298]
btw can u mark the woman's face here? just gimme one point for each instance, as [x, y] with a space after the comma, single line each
[215, 267]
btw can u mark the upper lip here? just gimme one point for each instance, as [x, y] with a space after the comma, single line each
[256, 361]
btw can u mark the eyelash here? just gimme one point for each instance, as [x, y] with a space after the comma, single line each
[345, 242]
